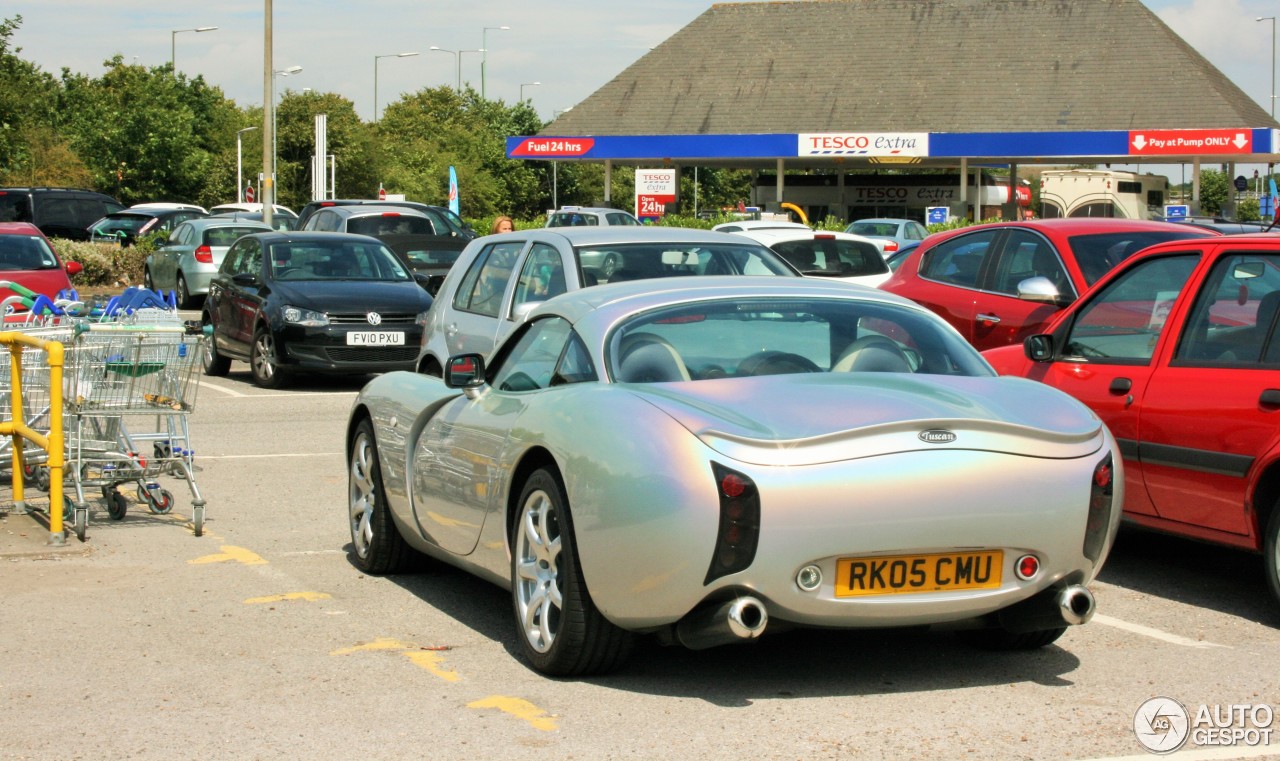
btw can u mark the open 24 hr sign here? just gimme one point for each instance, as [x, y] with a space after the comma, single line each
[655, 188]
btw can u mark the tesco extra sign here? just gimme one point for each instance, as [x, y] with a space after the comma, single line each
[863, 144]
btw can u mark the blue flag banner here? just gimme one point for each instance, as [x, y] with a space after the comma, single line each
[453, 190]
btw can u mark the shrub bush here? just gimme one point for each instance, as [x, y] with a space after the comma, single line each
[107, 266]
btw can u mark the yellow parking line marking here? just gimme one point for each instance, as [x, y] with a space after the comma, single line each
[427, 659]
[1147, 631]
[521, 709]
[231, 553]
[306, 596]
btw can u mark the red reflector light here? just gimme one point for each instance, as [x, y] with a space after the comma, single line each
[732, 486]
[204, 255]
[390, 213]
[1102, 476]
[823, 236]
[1027, 567]
[681, 320]
[890, 246]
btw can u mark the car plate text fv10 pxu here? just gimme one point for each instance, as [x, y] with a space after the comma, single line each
[905, 574]
[375, 338]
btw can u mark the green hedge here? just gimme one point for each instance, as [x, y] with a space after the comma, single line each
[107, 266]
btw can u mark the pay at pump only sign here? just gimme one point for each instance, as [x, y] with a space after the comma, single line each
[655, 188]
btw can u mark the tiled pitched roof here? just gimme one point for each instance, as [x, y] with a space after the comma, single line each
[916, 65]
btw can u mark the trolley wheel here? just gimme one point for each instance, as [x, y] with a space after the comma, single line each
[159, 500]
[81, 522]
[36, 475]
[116, 506]
[197, 520]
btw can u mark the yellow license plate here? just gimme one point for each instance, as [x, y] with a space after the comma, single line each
[906, 574]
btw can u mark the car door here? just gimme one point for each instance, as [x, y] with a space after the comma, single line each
[458, 474]
[241, 299]
[1212, 405]
[165, 273]
[1000, 316]
[1105, 355]
[479, 306]
[949, 276]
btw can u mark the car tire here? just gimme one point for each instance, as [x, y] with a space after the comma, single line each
[215, 365]
[1271, 551]
[262, 361]
[561, 631]
[185, 300]
[376, 544]
[1005, 640]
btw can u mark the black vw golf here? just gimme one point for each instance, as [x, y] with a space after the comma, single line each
[288, 302]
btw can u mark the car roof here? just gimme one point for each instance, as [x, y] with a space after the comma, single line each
[782, 235]
[229, 220]
[613, 301]
[894, 220]
[1078, 225]
[275, 208]
[19, 228]
[761, 224]
[301, 236]
[373, 210]
[618, 234]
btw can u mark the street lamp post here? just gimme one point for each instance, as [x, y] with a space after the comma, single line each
[1272, 19]
[375, 76]
[457, 55]
[457, 59]
[524, 85]
[239, 167]
[275, 132]
[484, 49]
[173, 44]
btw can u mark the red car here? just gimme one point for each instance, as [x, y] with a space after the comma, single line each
[26, 258]
[1178, 351]
[999, 283]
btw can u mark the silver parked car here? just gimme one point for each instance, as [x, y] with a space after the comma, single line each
[702, 457]
[499, 278]
[190, 258]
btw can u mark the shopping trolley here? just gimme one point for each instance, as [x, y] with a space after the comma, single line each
[131, 384]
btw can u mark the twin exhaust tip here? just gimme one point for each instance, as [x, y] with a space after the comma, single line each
[745, 618]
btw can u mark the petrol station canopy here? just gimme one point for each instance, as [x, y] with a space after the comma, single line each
[925, 82]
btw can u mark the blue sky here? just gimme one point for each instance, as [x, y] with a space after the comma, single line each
[571, 47]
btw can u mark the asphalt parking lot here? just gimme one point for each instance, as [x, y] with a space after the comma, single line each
[260, 639]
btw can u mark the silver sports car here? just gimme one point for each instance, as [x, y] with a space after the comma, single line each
[704, 458]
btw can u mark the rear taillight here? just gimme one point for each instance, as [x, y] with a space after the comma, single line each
[1101, 491]
[739, 530]
[890, 246]
[390, 213]
[204, 255]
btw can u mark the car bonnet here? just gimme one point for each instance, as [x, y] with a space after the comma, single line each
[812, 418]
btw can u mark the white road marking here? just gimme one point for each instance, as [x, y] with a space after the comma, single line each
[1147, 631]
[1203, 754]
[220, 389]
[262, 456]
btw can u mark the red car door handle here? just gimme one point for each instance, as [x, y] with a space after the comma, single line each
[1120, 386]
[989, 318]
[1270, 397]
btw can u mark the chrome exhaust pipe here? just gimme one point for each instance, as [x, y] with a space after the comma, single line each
[1077, 605]
[738, 620]
[1071, 605]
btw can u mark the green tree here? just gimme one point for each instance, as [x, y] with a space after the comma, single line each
[350, 142]
[32, 152]
[1213, 191]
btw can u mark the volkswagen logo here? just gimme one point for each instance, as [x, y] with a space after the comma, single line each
[374, 318]
[937, 436]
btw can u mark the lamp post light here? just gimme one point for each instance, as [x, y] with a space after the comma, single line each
[1272, 19]
[275, 133]
[524, 85]
[375, 76]
[239, 167]
[457, 55]
[173, 44]
[484, 48]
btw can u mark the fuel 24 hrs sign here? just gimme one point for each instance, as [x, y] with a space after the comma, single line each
[655, 188]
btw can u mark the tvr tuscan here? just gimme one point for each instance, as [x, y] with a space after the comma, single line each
[702, 458]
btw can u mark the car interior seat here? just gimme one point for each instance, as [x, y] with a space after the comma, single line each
[648, 358]
[872, 354]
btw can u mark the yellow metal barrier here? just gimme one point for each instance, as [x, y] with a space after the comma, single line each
[18, 428]
[804, 218]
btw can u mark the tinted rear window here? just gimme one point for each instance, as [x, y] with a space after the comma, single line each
[225, 236]
[831, 257]
[1098, 253]
[390, 225]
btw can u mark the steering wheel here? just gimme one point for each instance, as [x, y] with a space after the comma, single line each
[770, 362]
